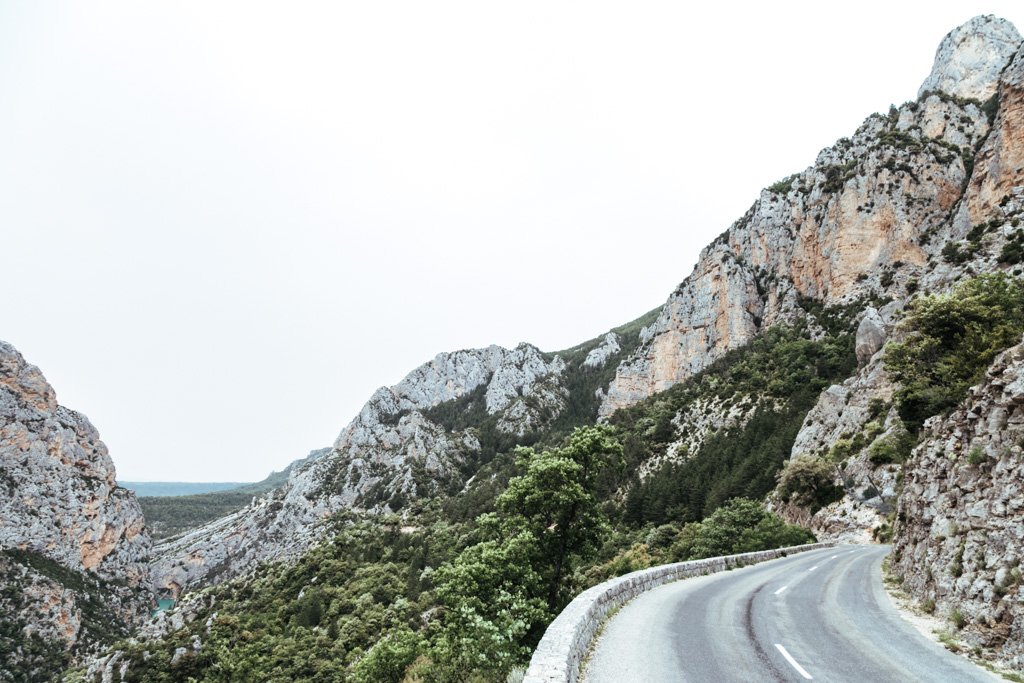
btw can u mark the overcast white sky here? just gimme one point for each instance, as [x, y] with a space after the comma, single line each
[225, 224]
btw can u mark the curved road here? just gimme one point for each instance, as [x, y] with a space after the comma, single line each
[821, 615]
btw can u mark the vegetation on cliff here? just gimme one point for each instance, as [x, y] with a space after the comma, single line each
[781, 373]
[950, 340]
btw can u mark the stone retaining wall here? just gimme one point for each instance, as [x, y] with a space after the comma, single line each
[566, 641]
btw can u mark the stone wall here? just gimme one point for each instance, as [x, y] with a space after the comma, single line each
[566, 641]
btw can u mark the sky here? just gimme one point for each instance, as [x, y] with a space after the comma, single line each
[223, 224]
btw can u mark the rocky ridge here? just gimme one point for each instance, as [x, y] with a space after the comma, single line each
[402, 446]
[74, 549]
[870, 220]
[870, 216]
[977, 233]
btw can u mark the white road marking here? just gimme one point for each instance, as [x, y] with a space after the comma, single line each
[813, 568]
[789, 658]
[781, 589]
[833, 557]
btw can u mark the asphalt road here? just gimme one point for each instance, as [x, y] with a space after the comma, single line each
[821, 615]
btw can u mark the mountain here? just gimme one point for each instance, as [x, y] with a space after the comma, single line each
[426, 436]
[847, 351]
[74, 549]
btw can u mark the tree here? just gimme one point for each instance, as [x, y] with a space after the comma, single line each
[499, 593]
[555, 500]
[490, 595]
[388, 660]
[809, 482]
[739, 526]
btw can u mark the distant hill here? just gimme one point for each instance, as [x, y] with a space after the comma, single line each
[178, 488]
[173, 507]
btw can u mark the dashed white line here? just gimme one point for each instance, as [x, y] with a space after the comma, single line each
[833, 557]
[813, 568]
[781, 589]
[789, 658]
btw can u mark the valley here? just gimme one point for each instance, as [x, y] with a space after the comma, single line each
[843, 364]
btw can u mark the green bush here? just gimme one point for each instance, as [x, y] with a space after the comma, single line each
[894, 448]
[783, 186]
[739, 526]
[950, 341]
[388, 660]
[809, 482]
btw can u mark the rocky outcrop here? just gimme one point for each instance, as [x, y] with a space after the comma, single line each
[407, 443]
[871, 215]
[959, 538]
[850, 419]
[599, 356]
[70, 537]
[870, 336]
[843, 426]
[999, 164]
[971, 57]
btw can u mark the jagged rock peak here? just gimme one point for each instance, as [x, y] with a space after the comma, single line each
[60, 502]
[68, 505]
[971, 57]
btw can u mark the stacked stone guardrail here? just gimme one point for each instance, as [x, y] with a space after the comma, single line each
[560, 653]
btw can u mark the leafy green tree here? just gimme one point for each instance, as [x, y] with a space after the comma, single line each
[490, 595]
[950, 341]
[498, 593]
[555, 500]
[388, 660]
[739, 526]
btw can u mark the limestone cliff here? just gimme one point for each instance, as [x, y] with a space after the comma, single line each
[74, 550]
[870, 216]
[956, 502]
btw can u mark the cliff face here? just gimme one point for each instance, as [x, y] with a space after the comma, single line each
[959, 537]
[73, 543]
[871, 214]
[957, 525]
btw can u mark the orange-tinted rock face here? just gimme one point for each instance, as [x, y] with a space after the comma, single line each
[59, 499]
[878, 202]
[999, 165]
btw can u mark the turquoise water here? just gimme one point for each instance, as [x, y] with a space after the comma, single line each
[163, 604]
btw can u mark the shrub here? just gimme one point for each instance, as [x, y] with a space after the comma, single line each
[894, 448]
[976, 456]
[809, 482]
[388, 659]
[739, 526]
[783, 186]
[958, 619]
[950, 341]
